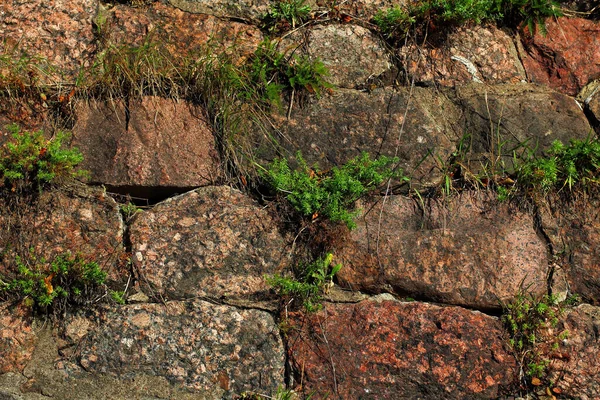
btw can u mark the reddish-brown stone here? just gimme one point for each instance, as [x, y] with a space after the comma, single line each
[467, 250]
[392, 350]
[567, 58]
[180, 31]
[214, 241]
[154, 142]
[573, 228]
[574, 365]
[482, 54]
[57, 30]
[17, 337]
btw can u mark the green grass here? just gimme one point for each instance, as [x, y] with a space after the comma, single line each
[562, 167]
[286, 14]
[530, 322]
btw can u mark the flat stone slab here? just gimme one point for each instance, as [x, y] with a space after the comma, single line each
[385, 349]
[410, 124]
[213, 241]
[197, 345]
[468, 250]
[152, 143]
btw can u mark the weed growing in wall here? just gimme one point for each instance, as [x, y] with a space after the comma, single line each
[331, 194]
[30, 161]
[271, 72]
[309, 282]
[286, 14]
[395, 22]
[563, 166]
[53, 285]
[530, 322]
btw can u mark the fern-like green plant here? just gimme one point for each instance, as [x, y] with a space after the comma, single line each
[67, 279]
[563, 166]
[30, 161]
[331, 194]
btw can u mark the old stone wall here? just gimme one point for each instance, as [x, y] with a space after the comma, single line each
[414, 313]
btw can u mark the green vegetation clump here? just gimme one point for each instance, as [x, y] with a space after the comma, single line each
[331, 194]
[530, 321]
[286, 12]
[564, 166]
[310, 281]
[53, 285]
[271, 72]
[395, 22]
[30, 161]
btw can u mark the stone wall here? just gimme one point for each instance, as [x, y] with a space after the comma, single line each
[414, 312]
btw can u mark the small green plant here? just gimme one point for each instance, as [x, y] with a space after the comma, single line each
[393, 22]
[457, 11]
[564, 166]
[309, 282]
[528, 319]
[44, 285]
[118, 296]
[271, 72]
[129, 210]
[30, 161]
[292, 12]
[333, 193]
[531, 13]
[281, 394]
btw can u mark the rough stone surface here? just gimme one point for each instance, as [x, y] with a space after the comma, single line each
[356, 9]
[339, 127]
[57, 30]
[198, 345]
[518, 117]
[17, 338]
[153, 143]
[181, 31]
[394, 350]
[246, 9]
[214, 241]
[567, 58]
[574, 366]
[469, 251]
[75, 219]
[483, 54]
[350, 52]
[573, 228]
